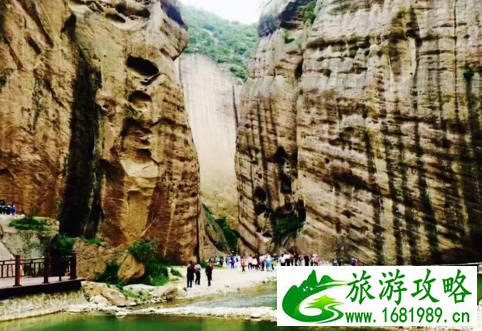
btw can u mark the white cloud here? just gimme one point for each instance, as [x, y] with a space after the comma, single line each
[245, 11]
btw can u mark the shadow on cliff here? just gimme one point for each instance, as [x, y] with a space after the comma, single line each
[81, 208]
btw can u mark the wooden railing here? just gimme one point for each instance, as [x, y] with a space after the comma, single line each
[45, 267]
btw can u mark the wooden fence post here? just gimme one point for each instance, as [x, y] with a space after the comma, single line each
[46, 268]
[73, 266]
[17, 271]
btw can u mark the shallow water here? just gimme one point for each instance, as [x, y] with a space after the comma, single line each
[261, 296]
[145, 323]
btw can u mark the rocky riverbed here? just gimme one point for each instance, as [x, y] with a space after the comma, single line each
[134, 299]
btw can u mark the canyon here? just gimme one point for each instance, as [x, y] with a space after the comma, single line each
[360, 132]
[356, 133]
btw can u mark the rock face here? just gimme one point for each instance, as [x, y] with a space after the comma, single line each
[96, 291]
[93, 126]
[28, 244]
[361, 130]
[211, 96]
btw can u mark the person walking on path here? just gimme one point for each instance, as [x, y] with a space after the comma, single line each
[209, 272]
[255, 263]
[243, 265]
[316, 260]
[233, 262]
[190, 274]
[282, 260]
[197, 272]
[268, 262]
[250, 262]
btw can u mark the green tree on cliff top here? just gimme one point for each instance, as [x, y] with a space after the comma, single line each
[230, 44]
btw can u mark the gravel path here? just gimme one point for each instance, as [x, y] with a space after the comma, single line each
[225, 280]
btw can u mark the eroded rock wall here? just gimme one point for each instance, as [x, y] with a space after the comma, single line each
[364, 127]
[37, 75]
[211, 97]
[93, 124]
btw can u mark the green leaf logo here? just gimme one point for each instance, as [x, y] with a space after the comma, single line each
[297, 294]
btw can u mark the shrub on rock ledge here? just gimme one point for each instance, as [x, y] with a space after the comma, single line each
[29, 223]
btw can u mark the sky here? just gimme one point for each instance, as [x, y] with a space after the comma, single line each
[244, 11]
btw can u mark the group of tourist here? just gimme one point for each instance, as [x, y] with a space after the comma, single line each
[267, 262]
[195, 271]
[7, 209]
[288, 259]
[260, 262]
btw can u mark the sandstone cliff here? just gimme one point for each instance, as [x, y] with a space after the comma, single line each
[361, 131]
[92, 121]
[211, 96]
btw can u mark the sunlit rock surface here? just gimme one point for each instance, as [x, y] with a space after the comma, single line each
[366, 126]
[92, 121]
[211, 97]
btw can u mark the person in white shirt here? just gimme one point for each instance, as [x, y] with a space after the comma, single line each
[262, 258]
[282, 260]
[287, 259]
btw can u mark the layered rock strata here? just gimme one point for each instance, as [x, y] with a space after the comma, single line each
[361, 131]
[93, 126]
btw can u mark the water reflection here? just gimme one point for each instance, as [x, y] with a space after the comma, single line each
[66, 322]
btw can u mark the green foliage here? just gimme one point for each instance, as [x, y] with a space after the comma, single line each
[139, 297]
[287, 227]
[65, 245]
[229, 234]
[29, 222]
[287, 38]
[143, 250]
[175, 272]
[230, 44]
[353, 52]
[468, 73]
[157, 280]
[310, 14]
[157, 272]
[93, 241]
[110, 274]
[203, 264]
[240, 73]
